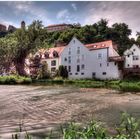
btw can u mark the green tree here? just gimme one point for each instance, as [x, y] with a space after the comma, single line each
[28, 40]
[62, 71]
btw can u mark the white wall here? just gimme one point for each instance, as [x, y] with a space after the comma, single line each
[49, 60]
[90, 60]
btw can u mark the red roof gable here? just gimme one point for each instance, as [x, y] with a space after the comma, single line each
[99, 45]
[51, 50]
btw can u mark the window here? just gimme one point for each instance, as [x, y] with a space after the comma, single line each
[78, 50]
[78, 68]
[78, 59]
[82, 66]
[74, 41]
[53, 69]
[55, 54]
[76, 73]
[135, 66]
[46, 55]
[69, 68]
[115, 63]
[69, 59]
[135, 57]
[53, 63]
[128, 55]
[82, 73]
[104, 73]
[65, 59]
[93, 75]
[65, 67]
[70, 73]
[100, 64]
[69, 52]
[128, 65]
[107, 64]
[134, 49]
[99, 55]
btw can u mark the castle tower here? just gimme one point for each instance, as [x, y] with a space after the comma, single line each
[23, 24]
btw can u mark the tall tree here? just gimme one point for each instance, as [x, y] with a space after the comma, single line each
[28, 40]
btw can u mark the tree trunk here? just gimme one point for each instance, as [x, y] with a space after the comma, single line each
[20, 65]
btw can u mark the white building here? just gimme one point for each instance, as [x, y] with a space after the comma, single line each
[132, 57]
[53, 57]
[97, 60]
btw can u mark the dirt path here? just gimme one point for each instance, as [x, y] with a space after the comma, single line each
[45, 107]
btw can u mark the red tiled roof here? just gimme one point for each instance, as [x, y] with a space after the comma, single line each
[51, 50]
[99, 45]
[55, 25]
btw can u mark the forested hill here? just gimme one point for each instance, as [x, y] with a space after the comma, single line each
[119, 32]
[100, 31]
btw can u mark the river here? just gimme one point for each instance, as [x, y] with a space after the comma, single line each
[42, 108]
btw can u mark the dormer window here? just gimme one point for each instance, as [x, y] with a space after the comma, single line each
[55, 54]
[46, 55]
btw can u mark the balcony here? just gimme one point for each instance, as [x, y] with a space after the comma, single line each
[116, 59]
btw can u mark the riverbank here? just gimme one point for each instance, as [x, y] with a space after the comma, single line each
[129, 85]
[122, 85]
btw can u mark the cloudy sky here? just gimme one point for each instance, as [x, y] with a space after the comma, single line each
[83, 12]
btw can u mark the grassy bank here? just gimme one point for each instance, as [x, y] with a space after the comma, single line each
[122, 85]
[14, 79]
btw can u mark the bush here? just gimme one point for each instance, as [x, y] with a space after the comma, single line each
[15, 79]
[62, 71]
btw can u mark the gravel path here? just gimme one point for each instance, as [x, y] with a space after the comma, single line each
[41, 108]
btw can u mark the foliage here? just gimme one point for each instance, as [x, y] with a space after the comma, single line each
[14, 79]
[129, 128]
[62, 71]
[43, 72]
[93, 130]
[100, 31]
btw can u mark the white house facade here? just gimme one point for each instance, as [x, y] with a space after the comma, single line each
[132, 57]
[91, 60]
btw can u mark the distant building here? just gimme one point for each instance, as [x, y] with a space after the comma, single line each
[2, 28]
[132, 60]
[23, 24]
[11, 28]
[58, 27]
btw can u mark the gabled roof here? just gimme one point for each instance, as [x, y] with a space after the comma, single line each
[99, 45]
[51, 50]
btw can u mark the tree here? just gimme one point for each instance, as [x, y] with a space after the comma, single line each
[7, 52]
[28, 40]
[62, 71]
[43, 71]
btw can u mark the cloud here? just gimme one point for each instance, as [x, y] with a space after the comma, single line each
[66, 17]
[74, 6]
[30, 10]
[62, 14]
[127, 12]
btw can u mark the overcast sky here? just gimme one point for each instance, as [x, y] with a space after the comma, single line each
[71, 12]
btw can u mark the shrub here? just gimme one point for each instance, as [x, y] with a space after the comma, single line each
[129, 128]
[62, 71]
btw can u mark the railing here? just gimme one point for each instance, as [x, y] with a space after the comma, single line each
[116, 58]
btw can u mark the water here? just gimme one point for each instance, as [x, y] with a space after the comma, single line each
[42, 108]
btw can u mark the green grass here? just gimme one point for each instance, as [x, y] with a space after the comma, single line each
[14, 79]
